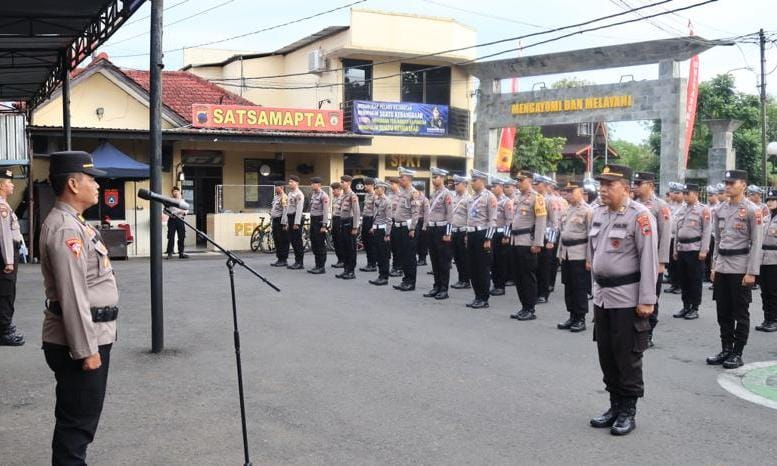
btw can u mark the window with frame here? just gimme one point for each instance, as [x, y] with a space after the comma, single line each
[426, 84]
[357, 76]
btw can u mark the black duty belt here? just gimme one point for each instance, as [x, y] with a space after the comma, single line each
[734, 252]
[522, 231]
[99, 314]
[573, 242]
[612, 282]
[766, 247]
[695, 239]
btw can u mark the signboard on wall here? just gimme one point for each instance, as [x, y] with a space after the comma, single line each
[400, 118]
[413, 162]
[266, 118]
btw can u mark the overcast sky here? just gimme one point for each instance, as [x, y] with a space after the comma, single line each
[492, 19]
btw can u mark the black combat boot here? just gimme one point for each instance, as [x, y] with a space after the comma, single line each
[432, 293]
[566, 325]
[720, 357]
[578, 325]
[682, 312]
[734, 360]
[625, 422]
[770, 326]
[608, 418]
[693, 313]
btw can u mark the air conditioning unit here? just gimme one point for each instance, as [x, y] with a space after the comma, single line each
[317, 61]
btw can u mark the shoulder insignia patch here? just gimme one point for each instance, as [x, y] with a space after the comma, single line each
[448, 200]
[758, 217]
[706, 213]
[666, 212]
[539, 206]
[643, 220]
[493, 203]
[75, 245]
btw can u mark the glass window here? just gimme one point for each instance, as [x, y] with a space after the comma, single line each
[424, 85]
[358, 80]
[260, 174]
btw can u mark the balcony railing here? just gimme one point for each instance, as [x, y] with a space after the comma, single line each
[458, 120]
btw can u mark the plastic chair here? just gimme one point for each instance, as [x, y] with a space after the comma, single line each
[127, 231]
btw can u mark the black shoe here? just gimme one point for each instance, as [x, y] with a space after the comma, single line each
[760, 327]
[515, 316]
[692, 314]
[404, 287]
[526, 314]
[719, 358]
[348, 276]
[421, 262]
[432, 293]
[577, 326]
[673, 290]
[441, 295]
[183, 256]
[395, 273]
[681, 313]
[338, 265]
[369, 268]
[279, 263]
[542, 300]
[379, 282]
[431, 272]
[479, 304]
[170, 256]
[623, 425]
[497, 292]
[509, 283]
[340, 275]
[770, 326]
[565, 325]
[607, 419]
[733, 361]
[295, 266]
[12, 339]
[317, 270]
[460, 285]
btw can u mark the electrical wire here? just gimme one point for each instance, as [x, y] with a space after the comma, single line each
[137, 20]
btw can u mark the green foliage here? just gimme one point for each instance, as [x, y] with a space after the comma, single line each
[571, 82]
[535, 152]
[640, 157]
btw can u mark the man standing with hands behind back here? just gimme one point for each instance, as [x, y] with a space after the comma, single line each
[79, 326]
[175, 226]
[10, 241]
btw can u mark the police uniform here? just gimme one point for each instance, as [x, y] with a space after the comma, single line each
[337, 240]
[279, 234]
[768, 276]
[739, 228]
[624, 263]
[80, 319]
[693, 230]
[405, 217]
[350, 220]
[674, 207]
[711, 190]
[421, 236]
[381, 232]
[527, 230]
[368, 216]
[319, 220]
[573, 255]
[176, 227]
[393, 198]
[504, 216]
[292, 220]
[10, 242]
[459, 233]
[438, 228]
[481, 225]
[547, 256]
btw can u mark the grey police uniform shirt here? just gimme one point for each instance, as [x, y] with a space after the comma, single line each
[769, 248]
[674, 207]
[482, 212]
[9, 232]
[279, 202]
[738, 227]
[319, 206]
[369, 205]
[440, 210]
[406, 208]
[665, 218]
[504, 214]
[382, 220]
[294, 206]
[349, 208]
[693, 221]
[531, 213]
[77, 274]
[575, 224]
[422, 204]
[621, 243]
[336, 203]
[460, 213]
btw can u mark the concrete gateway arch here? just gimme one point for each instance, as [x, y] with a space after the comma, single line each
[659, 99]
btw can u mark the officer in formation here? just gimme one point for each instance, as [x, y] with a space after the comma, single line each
[501, 241]
[405, 217]
[768, 276]
[10, 242]
[645, 190]
[713, 194]
[422, 241]
[292, 221]
[755, 195]
[280, 235]
[439, 230]
[381, 232]
[337, 242]
[319, 224]
[481, 226]
[693, 231]
[394, 198]
[350, 221]
[527, 238]
[459, 230]
[79, 325]
[547, 255]
[675, 202]
[623, 248]
[368, 217]
[510, 189]
[175, 226]
[739, 227]
[573, 255]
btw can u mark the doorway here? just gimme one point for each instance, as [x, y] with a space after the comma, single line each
[199, 190]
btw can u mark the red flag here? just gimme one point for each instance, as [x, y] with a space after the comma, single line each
[504, 156]
[690, 104]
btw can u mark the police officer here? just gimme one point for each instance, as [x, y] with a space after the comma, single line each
[422, 239]
[527, 230]
[548, 253]
[381, 231]
[280, 236]
[337, 240]
[79, 325]
[394, 198]
[292, 220]
[573, 255]
[768, 277]
[319, 224]
[459, 231]
[510, 188]
[481, 225]
[10, 242]
[712, 204]
[368, 216]
[691, 246]
[675, 203]
[739, 228]
[438, 228]
[645, 187]
[624, 262]
[175, 226]
[501, 249]
[350, 221]
[405, 217]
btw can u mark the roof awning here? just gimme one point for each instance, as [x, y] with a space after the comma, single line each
[118, 164]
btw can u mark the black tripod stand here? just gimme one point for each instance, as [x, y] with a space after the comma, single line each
[232, 259]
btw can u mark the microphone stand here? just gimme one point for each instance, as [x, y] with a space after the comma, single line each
[232, 259]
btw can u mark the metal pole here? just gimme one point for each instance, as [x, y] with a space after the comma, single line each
[763, 105]
[155, 158]
[66, 103]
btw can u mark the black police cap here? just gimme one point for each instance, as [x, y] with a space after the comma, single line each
[315, 180]
[733, 175]
[644, 176]
[691, 187]
[614, 172]
[64, 162]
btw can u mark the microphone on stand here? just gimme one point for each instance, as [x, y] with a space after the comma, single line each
[164, 200]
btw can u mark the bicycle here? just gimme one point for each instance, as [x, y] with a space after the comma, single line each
[261, 237]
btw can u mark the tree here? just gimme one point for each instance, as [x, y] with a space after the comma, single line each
[567, 83]
[535, 152]
[640, 157]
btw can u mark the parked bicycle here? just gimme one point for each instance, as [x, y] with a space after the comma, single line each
[261, 237]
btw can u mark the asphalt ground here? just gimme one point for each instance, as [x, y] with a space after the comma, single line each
[345, 373]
